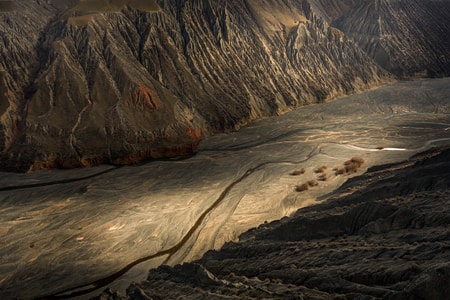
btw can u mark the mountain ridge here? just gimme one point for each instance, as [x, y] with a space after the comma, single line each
[89, 85]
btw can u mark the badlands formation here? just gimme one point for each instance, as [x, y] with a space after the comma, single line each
[85, 82]
[115, 84]
[74, 233]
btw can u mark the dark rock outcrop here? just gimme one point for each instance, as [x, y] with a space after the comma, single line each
[88, 82]
[363, 245]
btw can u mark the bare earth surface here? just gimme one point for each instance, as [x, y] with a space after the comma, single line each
[383, 235]
[68, 233]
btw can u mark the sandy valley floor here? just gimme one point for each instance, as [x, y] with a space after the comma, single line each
[71, 232]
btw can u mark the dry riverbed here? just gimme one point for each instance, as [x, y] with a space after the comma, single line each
[75, 232]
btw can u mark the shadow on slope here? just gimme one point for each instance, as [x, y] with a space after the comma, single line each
[6, 6]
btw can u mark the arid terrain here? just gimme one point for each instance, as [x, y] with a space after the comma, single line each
[138, 135]
[86, 82]
[76, 232]
[383, 235]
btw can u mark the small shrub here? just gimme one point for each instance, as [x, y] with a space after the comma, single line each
[301, 188]
[380, 148]
[321, 169]
[340, 171]
[298, 172]
[313, 182]
[351, 166]
[355, 160]
[323, 177]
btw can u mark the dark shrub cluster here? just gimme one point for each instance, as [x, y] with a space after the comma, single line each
[302, 187]
[323, 177]
[350, 166]
[321, 169]
[298, 172]
[306, 186]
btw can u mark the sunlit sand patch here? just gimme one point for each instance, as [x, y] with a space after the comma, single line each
[116, 227]
[379, 148]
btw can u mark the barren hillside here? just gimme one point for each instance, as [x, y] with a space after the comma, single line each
[88, 82]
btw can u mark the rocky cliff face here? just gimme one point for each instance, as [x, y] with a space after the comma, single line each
[405, 37]
[88, 82]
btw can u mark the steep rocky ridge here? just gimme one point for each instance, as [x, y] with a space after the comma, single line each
[407, 38]
[382, 235]
[88, 82]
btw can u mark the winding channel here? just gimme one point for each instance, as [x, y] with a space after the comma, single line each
[87, 288]
[52, 183]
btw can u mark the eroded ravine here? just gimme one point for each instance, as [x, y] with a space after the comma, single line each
[90, 228]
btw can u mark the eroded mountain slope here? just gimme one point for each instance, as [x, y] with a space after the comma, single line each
[90, 81]
[405, 37]
[125, 86]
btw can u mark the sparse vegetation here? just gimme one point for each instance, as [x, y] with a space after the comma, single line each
[340, 171]
[302, 187]
[298, 172]
[321, 169]
[323, 177]
[305, 186]
[350, 166]
[357, 160]
[313, 183]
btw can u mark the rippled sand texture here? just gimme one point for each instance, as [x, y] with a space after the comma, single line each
[69, 232]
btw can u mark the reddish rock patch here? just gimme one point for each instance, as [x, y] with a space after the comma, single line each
[144, 97]
[195, 133]
[140, 156]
